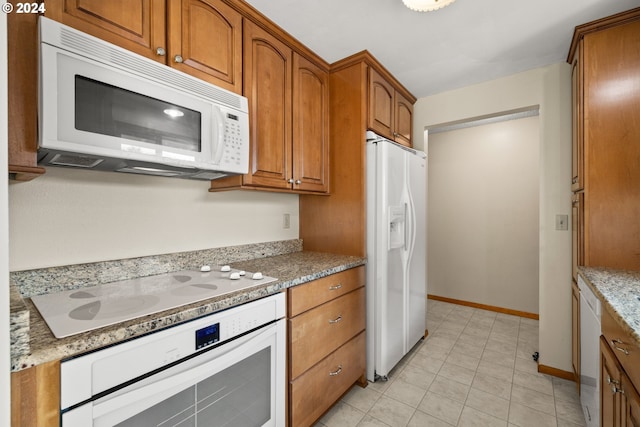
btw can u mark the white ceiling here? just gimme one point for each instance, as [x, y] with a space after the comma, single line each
[468, 42]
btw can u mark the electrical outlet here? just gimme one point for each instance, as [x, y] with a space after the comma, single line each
[286, 221]
[562, 222]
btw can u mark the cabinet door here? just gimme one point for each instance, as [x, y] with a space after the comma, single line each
[267, 85]
[577, 233]
[575, 331]
[610, 388]
[404, 120]
[205, 40]
[577, 163]
[381, 105]
[632, 403]
[310, 126]
[611, 135]
[136, 25]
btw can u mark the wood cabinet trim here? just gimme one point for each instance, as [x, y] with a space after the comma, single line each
[366, 57]
[600, 24]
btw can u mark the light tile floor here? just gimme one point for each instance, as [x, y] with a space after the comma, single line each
[474, 369]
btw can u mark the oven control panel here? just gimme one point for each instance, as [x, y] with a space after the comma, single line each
[207, 336]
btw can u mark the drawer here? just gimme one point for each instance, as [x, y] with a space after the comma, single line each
[623, 346]
[316, 333]
[305, 297]
[321, 386]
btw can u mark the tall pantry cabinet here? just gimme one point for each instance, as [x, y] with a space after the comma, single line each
[605, 61]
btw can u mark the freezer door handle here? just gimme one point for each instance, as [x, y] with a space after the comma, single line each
[406, 228]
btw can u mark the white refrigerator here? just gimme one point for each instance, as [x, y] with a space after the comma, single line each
[396, 253]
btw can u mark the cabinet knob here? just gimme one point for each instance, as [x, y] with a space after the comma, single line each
[290, 180]
[298, 182]
[178, 59]
[160, 51]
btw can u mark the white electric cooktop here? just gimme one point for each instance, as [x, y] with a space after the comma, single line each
[81, 310]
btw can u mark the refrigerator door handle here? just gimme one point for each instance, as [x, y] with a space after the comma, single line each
[406, 227]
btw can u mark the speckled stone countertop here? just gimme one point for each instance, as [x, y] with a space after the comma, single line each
[620, 292]
[291, 269]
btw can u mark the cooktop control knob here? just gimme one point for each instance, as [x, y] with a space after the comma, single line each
[234, 276]
[257, 276]
[242, 272]
[225, 268]
[205, 268]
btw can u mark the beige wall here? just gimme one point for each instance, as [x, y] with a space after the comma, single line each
[483, 214]
[74, 216]
[550, 88]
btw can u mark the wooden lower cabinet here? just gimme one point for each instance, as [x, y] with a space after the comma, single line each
[315, 391]
[326, 343]
[620, 376]
[35, 396]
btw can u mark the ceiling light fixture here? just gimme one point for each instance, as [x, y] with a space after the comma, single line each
[426, 5]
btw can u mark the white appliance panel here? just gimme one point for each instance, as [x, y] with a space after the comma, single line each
[396, 251]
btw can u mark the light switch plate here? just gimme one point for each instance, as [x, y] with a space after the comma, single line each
[562, 222]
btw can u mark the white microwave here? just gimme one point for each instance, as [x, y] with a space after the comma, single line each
[102, 107]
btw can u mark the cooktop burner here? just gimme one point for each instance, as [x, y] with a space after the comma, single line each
[81, 310]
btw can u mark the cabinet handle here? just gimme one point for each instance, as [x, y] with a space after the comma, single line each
[334, 373]
[612, 381]
[574, 180]
[335, 287]
[298, 182]
[290, 180]
[615, 389]
[178, 59]
[614, 344]
[160, 51]
[336, 320]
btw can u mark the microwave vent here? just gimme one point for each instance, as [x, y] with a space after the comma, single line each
[75, 160]
[150, 171]
[91, 47]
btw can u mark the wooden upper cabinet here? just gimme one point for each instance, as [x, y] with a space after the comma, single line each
[202, 38]
[205, 40]
[268, 77]
[288, 118]
[310, 126]
[390, 113]
[404, 119]
[136, 25]
[381, 105]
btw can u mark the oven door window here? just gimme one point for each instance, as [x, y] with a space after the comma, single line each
[237, 396]
[240, 383]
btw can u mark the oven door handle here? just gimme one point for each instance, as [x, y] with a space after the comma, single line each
[127, 402]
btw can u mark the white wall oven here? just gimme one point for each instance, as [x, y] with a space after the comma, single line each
[225, 369]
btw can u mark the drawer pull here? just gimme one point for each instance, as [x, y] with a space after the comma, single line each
[614, 344]
[615, 389]
[334, 373]
[336, 320]
[335, 287]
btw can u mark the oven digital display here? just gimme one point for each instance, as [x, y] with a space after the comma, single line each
[207, 336]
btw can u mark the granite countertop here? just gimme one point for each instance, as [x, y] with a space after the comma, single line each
[620, 292]
[41, 346]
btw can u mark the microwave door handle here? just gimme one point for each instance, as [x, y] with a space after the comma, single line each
[218, 131]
